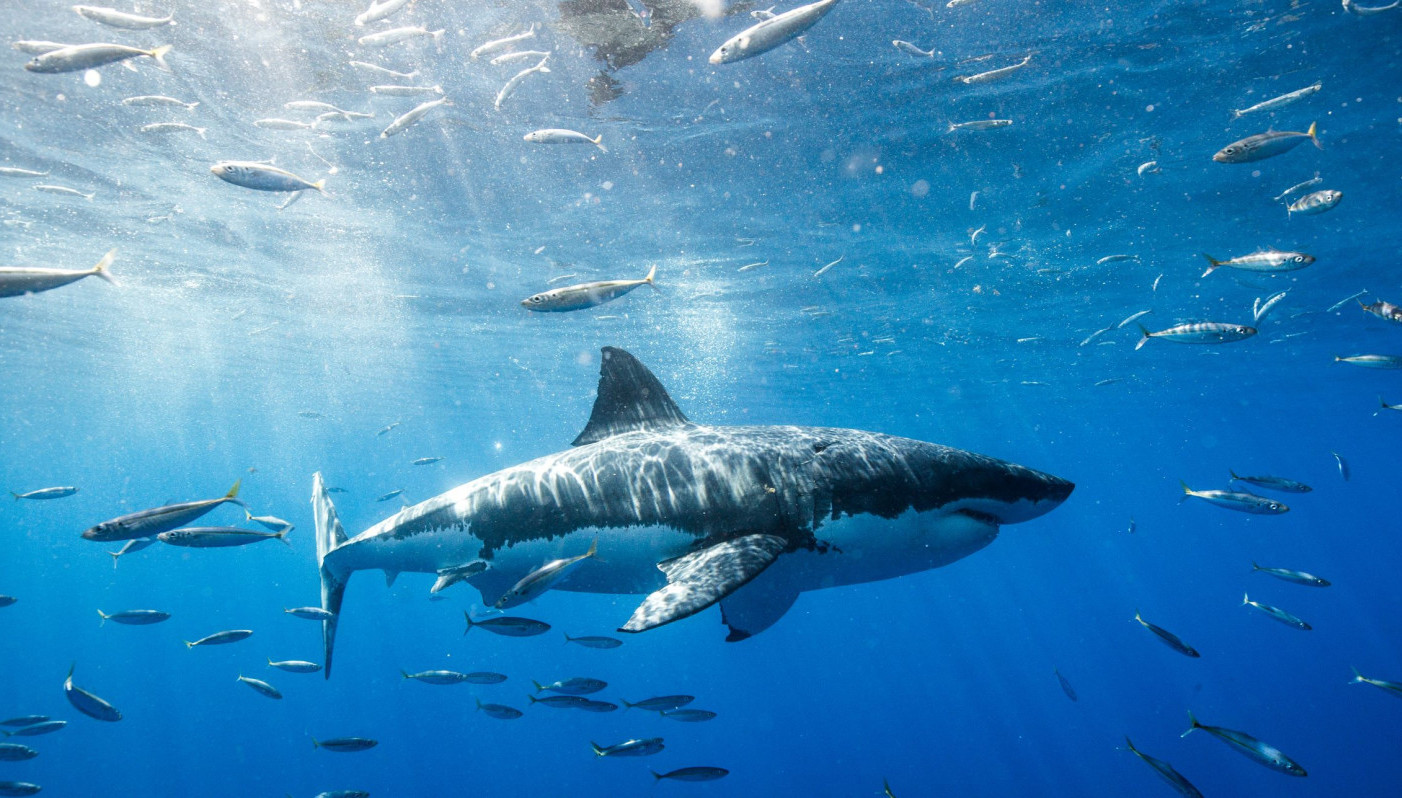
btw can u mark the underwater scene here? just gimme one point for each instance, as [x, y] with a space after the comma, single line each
[698, 397]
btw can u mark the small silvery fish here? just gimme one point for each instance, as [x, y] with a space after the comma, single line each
[172, 127]
[311, 613]
[1065, 685]
[484, 677]
[499, 711]
[1343, 466]
[343, 794]
[1391, 687]
[14, 752]
[283, 124]
[701, 773]
[578, 685]
[1265, 261]
[1249, 746]
[436, 677]
[519, 55]
[1364, 11]
[1316, 202]
[149, 523]
[771, 33]
[263, 177]
[688, 715]
[1167, 773]
[1385, 406]
[1278, 102]
[218, 537]
[391, 495]
[979, 124]
[6, 601]
[911, 49]
[379, 70]
[458, 573]
[498, 44]
[427, 461]
[19, 788]
[24, 720]
[157, 101]
[20, 280]
[585, 295]
[269, 522]
[1276, 613]
[508, 626]
[135, 544]
[1200, 332]
[64, 191]
[45, 493]
[119, 19]
[1384, 310]
[388, 428]
[1232, 500]
[1170, 639]
[541, 579]
[345, 744]
[594, 641]
[1273, 483]
[15, 171]
[87, 703]
[406, 91]
[80, 57]
[295, 666]
[378, 11]
[648, 747]
[561, 701]
[260, 686]
[1372, 361]
[135, 617]
[397, 35]
[47, 726]
[1298, 577]
[994, 74]
[561, 136]
[515, 81]
[662, 703]
[413, 116]
[221, 638]
[1265, 145]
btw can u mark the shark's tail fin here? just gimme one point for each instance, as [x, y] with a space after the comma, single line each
[329, 535]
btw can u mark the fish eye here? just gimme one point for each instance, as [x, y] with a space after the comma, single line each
[1299, 258]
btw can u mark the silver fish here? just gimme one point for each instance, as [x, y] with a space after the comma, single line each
[260, 686]
[1249, 746]
[391, 495]
[262, 177]
[1366, 361]
[595, 641]
[43, 493]
[436, 677]
[702, 772]
[1241, 502]
[646, 747]
[14, 752]
[80, 57]
[1265, 261]
[1364, 11]
[157, 101]
[519, 55]
[499, 711]
[1166, 772]
[120, 19]
[1276, 613]
[1202, 332]
[135, 617]
[499, 44]
[1273, 483]
[171, 127]
[149, 523]
[578, 685]
[269, 522]
[87, 703]
[562, 136]
[1384, 310]
[995, 74]
[907, 47]
[63, 191]
[1170, 639]
[510, 87]
[283, 124]
[426, 461]
[135, 544]
[585, 295]
[770, 33]
[378, 11]
[508, 626]
[412, 116]
[1265, 145]
[1391, 687]
[1148, 168]
[346, 744]
[1278, 102]
[1316, 202]
[295, 666]
[688, 715]
[662, 703]
[379, 70]
[1343, 465]
[397, 35]
[1298, 577]
[979, 124]
[221, 638]
[451, 576]
[1065, 685]
[311, 613]
[406, 91]
[1313, 181]
[1260, 309]
[1133, 318]
[218, 537]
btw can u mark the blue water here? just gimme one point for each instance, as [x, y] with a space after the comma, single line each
[396, 299]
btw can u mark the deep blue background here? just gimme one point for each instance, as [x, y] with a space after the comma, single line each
[396, 300]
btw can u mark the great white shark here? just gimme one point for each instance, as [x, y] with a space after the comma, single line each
[692, 515]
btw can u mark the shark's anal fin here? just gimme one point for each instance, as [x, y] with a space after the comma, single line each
[696, 581]
[751, 611]
[630, 398]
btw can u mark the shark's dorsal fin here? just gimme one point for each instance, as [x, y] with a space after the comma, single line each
[630, 399]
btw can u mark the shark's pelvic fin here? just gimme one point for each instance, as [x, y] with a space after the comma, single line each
[697, 580]
[754, 609]
[630, 398]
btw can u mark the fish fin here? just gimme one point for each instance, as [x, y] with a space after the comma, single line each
[282, 536]
[750, 612]
[697, 580]
[1144, 336]
[104, 616]
[538, 685]
[1254, 566]
[116, 555]
[533, 699]
[234, 491]
[599, 142]
[101, 269]
[160, 55]
[1245, 599]
[315, 744]
[479, 703]
[1233, 473]
[405, 673]
[320, 185]
[1213, 264]
[630, 398]
[16, 495]
[437, 34]
[188, 644]
[650, 278]
[390, 576]
[1187, 491]
[597, 750]
[1130, 744]
[329, 536]
[1357, 677]
[1193, 725]
[1313, 133]
[470, 622]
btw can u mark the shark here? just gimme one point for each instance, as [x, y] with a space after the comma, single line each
[691, 515]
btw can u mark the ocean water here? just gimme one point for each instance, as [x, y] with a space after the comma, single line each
[396, 299]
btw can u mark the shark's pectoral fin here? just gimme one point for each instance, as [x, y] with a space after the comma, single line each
[752, 610]
[698, 580]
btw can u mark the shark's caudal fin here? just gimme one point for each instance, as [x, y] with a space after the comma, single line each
[630, 398]
[329, 535]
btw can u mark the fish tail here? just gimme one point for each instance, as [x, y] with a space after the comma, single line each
[188, 644]
[470, 622]
[479, 703]
[538, 685]
[626, 706]
[1357, 677]
[234, 491]
[201, 131]
[1254, 566]
[315, 744]
[437, 34]
[599, 142]
[104, 616]
[101, 269]
[1130, 744]
[1233, 473]
[1193, 725]
[597, 750]
[1213, 264]
[116, 555]
[320, 185]
[16, 495]
[329, 535]
[657, 775]
[1245, 599]
[533, 699]
[160, 55]
[191, 106]
[1313, 133]
[649, 279]
[406, 674]
[593, 549]
[1187, 491]
[1144, 336]
[282, 536]
[568, 639]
